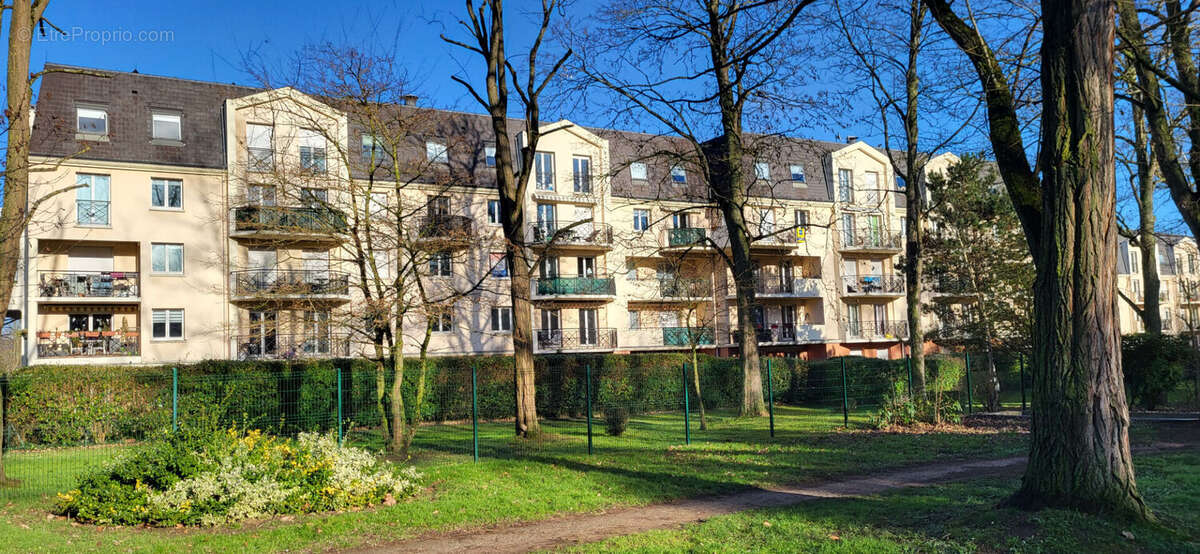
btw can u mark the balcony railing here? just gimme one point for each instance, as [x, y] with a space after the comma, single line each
[575, 286]
[575, 339]
[872, 239]
[89, 284]
[91, 212]
[559, 233]
[446, 227]
[289, 219]
[947, 284]
[686, 336]
[269, 345]
[684, 287]
[289, 282]
[876, 330]
[791, 287]
[686, 236]
[782, 333]
[872, 284]
[66, 344]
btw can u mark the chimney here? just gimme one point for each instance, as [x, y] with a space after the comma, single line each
[851, 139]
[409, 99]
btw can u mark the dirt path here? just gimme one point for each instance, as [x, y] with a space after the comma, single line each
[584, 528]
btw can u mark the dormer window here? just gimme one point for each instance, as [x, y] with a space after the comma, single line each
[678, 175]
[637, 171]
[260, 153]
[797, 171]
[489, 156]
[91, 121]
[762, 171]
[312, 151]
[436, 152]
[166, 126]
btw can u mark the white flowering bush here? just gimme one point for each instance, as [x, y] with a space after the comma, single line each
[195, 478]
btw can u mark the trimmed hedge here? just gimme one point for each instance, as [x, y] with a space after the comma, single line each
[65, 406]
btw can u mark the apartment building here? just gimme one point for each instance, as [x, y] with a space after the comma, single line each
[187, 220]
[1179, 284]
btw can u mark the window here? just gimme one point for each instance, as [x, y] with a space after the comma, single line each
[762, 171]
[91, 199]
[501, 265]
[166, 324]
[436, 152]
[259, 150]
[899, 182]
[166, 193]
[637, 171]
[502, 319]
[1133, 262]
[1191, 262]
[797, 172]
[379, 204]
[260, 195]
[635, 319]
[871, 187]
[372, 149]
[543, 170]
[582, 169]
[493, 212]
[312, 151]
[845, 185]
[91, 121]
[489, 156]
[166, 126]
[314, 197]
[678, 175]
[903, 226]
[801, 226]
[166, 258]
[680, 221]
[641, 220]
[847, 229]
[438, 205]
[443, 321]
[440, 264]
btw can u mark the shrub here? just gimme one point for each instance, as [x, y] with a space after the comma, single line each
[199, 477]
[1154, 365]
[616, 420]
[943, 374]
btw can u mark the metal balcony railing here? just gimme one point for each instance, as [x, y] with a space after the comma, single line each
[289, 282]
[63, 344]
[575, 339]
[684, 287]
[686, 236]
[872, 284]
[794, 287]
[947, 284]
[876, 330]
[269, 345]
[587, 233]
[781, 333]
[446, 227]
[289, 219]
[763, 334]
[91, 212]
[89, 284]
[575, 286]
[686, 336]
[872, 239]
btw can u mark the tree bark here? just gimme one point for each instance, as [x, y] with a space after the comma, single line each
[1147, 241]
[914, 202]
[1080, 455]
[696, 383]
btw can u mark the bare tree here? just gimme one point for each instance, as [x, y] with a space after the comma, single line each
[646, 55]
[1079, 455]
[485, 27]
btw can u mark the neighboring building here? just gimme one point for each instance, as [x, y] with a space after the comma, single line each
[1178, 290]
[206, 220]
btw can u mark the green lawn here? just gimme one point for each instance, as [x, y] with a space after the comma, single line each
[958, 517]
[517, 481]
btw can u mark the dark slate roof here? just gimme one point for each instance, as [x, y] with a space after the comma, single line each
[129, 98]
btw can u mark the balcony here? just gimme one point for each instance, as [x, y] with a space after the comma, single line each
[794, 288]
[93, 213]
[446, 230]
[686, 238]
[872, 285]
[559, 340]
[289, 284]
[686, 336]
[270, 345]
[87, 344]
[89, 286]
[586, 235]
[289, 223]
[782, 333]
[784, 239]
[948, 286]
[574, 288]
[872, 241]
[875, 330]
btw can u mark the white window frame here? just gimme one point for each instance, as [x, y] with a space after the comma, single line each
[762, 170]
[313, 145]
[165, 248]
[638, 171]
[797, 170]
[489, 156]
[493, 212]
[97, 112]
[543, 170]
[443, 321]
[166, 316]
[641, 219]
[678, 175]
[845, 185]
[502, 319]
[499, 268]
[168, 117]
[441, 264]
[260, 143]
[581, 174]
[166, 185]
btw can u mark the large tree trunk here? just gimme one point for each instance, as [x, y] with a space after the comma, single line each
[526, 423]
[914, 259]
[396, 440]
[1079, 455]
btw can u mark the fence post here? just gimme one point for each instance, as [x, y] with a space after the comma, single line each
[341, 437]
[770, 397]
[588, 386]
[967, 355]
[845, 397]
[908, 365]
[687, 424]
[1021, 368]
[474, 412]
[175, 399]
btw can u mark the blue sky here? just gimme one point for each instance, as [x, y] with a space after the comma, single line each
[199, 40]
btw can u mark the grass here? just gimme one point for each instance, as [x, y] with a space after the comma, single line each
[958, 517]
[519, 480]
